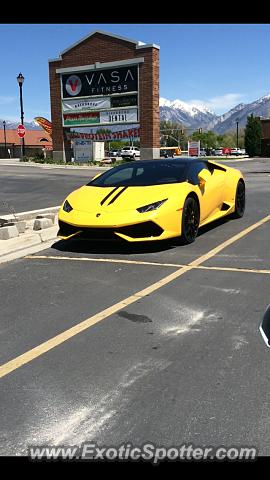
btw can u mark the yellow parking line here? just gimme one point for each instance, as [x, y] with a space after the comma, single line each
[234, 269]
[53, 342]
[155, 264]
[80, 327]
[106, 260]
[231, 240]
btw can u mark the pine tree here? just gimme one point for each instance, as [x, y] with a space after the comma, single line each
[253, 135]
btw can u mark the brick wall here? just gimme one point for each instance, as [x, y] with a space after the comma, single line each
[102, 48]
[265, 141]
[265, 128]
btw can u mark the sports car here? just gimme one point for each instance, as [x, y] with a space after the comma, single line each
[153, 200]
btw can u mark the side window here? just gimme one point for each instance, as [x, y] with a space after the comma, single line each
[195, 170]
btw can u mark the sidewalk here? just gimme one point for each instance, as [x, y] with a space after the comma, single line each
[29, 241]
[16, 162]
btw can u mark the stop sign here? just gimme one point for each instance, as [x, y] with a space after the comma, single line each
[21, 130]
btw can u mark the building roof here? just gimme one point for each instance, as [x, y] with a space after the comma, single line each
[137, 43]
[32, 137]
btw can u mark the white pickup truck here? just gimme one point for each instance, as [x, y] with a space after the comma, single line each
[131, 152]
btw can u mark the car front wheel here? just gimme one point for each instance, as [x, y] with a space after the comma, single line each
[240, 200]
[190, 220]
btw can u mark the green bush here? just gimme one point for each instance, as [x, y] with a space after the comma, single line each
[39, 159]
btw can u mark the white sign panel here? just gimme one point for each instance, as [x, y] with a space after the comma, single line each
[82, 150]
[128, 115]
[75, 105]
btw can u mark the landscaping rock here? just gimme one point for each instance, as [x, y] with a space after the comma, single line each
[41, 223]
[8, 232]
[21, 226]
[47, 215]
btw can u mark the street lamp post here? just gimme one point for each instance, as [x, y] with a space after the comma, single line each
[237, 121]
[5, 138]
[20, 80]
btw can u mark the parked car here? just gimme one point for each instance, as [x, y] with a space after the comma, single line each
[236, 151]
[115, 153]
[149, 200]
[131, 152]
[219, 152]
[202, 152]
[226, 151]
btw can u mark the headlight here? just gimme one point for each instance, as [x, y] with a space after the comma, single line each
[151, 206]
[67, 207]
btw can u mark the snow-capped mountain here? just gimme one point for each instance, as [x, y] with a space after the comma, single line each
[196, 116]
[226, 122]
[13, 125]
[190, 115]
[192, 109]
[220, 121]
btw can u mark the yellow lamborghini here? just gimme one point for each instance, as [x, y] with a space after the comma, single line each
[153, 200]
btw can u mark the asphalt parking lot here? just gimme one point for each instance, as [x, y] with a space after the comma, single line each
[155, 343]
[25, 187]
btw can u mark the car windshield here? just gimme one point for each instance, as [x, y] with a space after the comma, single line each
[141, 174]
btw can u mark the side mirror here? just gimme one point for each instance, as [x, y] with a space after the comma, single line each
[265, 327]
[203, 176]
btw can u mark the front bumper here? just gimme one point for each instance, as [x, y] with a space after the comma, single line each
[138, 232]
[130, 225]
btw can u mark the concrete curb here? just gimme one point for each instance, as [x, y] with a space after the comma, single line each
[29, 243]
[30, 214]
[26, 251]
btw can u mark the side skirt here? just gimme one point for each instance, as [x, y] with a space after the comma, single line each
[218, 215]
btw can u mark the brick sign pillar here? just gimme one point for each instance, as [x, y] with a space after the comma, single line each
[149, 105]
[94, 53]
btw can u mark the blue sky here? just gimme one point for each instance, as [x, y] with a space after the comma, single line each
[218, 65]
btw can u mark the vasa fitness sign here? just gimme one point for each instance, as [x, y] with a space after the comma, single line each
[100, 82]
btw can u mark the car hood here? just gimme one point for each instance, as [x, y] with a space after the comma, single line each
[90, 198]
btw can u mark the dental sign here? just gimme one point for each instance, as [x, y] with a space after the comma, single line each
[100, 82]
[119, 116]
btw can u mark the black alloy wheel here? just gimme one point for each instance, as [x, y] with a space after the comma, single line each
[190, 220]
[240, 200]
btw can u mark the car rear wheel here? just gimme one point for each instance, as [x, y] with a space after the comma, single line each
[190, 220]
[240, 200]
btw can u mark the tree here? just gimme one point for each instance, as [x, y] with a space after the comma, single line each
[207, 139]
[172, 134]
[253, 135]
[229, 139]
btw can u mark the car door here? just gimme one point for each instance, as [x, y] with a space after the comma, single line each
[211, 194]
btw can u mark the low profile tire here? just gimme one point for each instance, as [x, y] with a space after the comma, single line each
[190, 221]
[240, 200]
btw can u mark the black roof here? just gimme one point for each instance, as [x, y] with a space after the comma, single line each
[168, 160]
